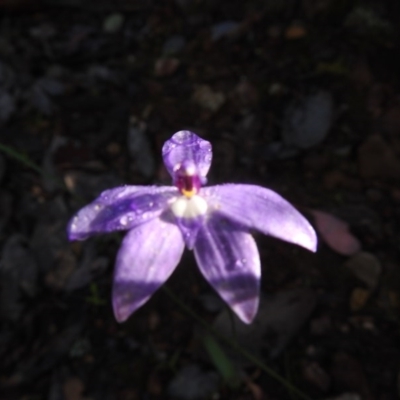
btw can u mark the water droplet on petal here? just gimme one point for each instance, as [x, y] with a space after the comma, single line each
[123, 221]
[239, 263]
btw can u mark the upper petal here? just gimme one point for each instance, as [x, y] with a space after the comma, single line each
[228, 258]
[187, 147]
[262, 209]
[120, 208]
[148, 255]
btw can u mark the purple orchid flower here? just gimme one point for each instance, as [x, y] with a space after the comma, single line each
[213, 221]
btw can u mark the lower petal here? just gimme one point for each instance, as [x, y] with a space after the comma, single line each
[148, 255]
[228, 258]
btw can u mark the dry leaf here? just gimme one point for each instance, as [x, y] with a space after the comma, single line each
[358, 299]
[335, 233]
[295, 32]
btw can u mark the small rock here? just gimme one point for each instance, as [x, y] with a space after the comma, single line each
[365, 21]
[295, 31]
[89, 267]
[278, 151]
[41, 100]
[2, 167]
[50, 174]
[246, 93]
[173, 45]
[44, 31]
[6, 201]
[316, 375]
[73, 389]
[358, 299]
[191, 383]
[223, 29]
[347, 373]
[41, 92]
[205, 97]
[366, 267]
[63, 267]
[321, 326]
[18, 275]
[113, 23]
[51, 86]
[7, 77]
[211, 302]
[307, 122]
[166, 66]
[97, 73]
[140, 149]
[7, 105]
[49, 239]
[376, 159]
[374, 195]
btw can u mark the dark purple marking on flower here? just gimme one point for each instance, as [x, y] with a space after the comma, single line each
[187, 180]
[213, 221]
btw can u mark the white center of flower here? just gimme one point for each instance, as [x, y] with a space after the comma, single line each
[189, 207]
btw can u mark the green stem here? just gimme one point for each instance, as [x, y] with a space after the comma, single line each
[234, 345]
[20, 157]
[27, 162]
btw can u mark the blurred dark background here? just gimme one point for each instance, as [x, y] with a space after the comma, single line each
[301, 96]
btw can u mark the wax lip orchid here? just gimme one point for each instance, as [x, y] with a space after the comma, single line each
[213, 221]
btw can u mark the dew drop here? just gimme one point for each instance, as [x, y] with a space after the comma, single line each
[123, 221]
[240, 263]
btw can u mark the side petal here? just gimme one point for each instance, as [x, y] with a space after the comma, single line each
[148, 255]
[185, 146]
[121, 208]
[262, 209]
[228, 258]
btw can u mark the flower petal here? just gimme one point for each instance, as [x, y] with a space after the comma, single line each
[262, 209]
[148, 255]
[189, 228]
[120, 208]
[228, 258]
[185, 146]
